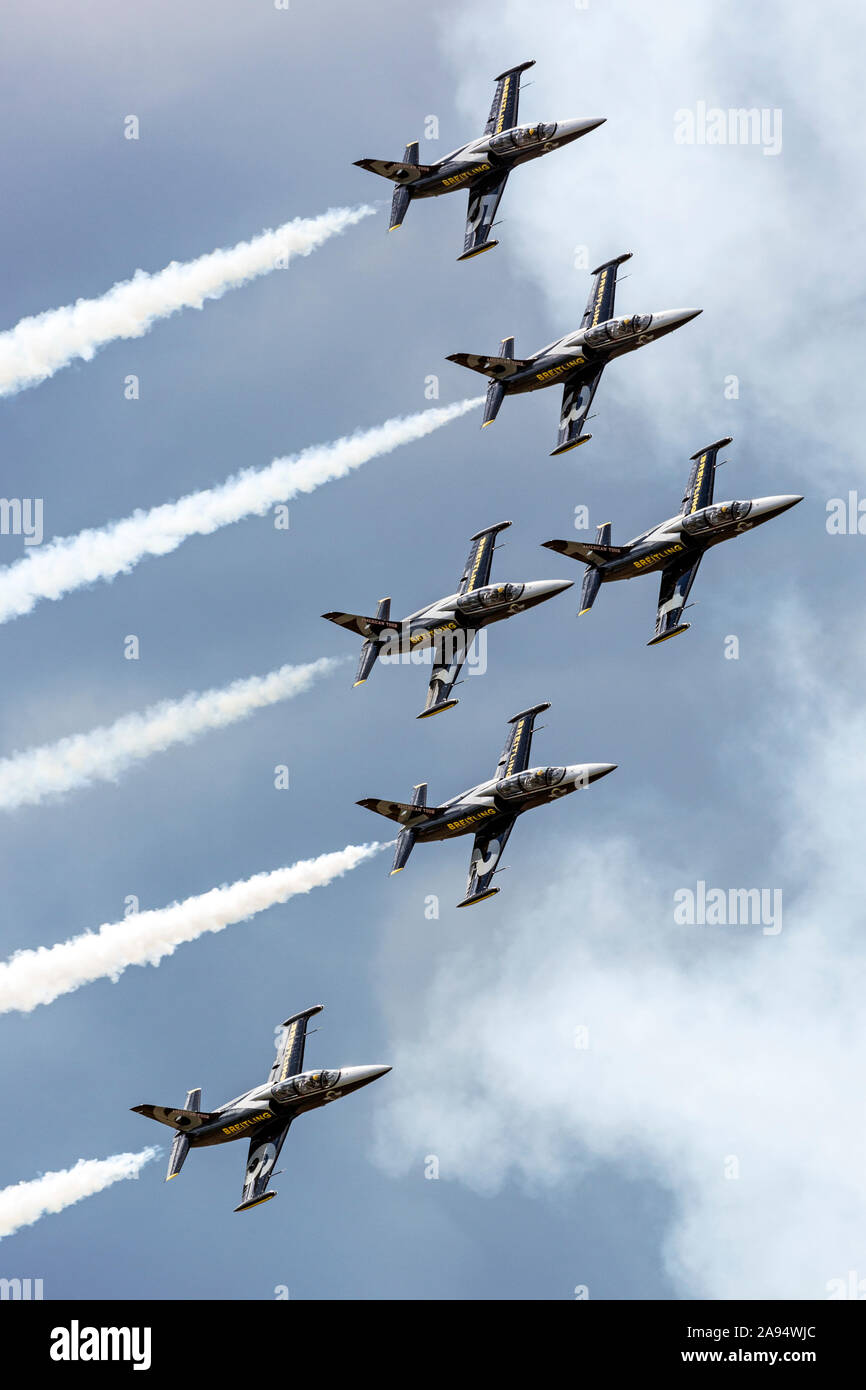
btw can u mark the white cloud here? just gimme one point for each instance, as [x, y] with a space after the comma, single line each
[705, 1044]
[763, 244]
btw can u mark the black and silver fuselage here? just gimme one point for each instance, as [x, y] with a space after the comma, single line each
[463, 615]
[508, 796]
[255, 1111]
[592, 346]
[500, 154]
[692, 534]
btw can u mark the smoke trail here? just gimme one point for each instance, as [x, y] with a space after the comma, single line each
[38, 347]
[27, 1202]
[72, 562]
[104, 753]
[36, 977]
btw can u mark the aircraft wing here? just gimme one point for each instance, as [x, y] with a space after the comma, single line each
[677, 580]
[577, 397]
[602, 296]
[486, 853]
[263, 1154]
[506, 99]
[699, 488]
[483, 202]
[476, 571]
[515, 754]
[290, 1046]
[445, 674]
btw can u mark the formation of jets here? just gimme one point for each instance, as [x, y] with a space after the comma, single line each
[264, 1114]
[448, 627]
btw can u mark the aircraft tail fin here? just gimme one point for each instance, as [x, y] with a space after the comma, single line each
[594, 554]
[589, 589]
[365, 627]
[402, 196]
[180, 1144]
[498, 368]
[405, 846]
[369, 628]
[407, 813]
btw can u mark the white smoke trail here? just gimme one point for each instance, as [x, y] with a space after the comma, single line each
[39, 976]
[26, 1202]
[38, 347]
[72, 562]
[105, 752]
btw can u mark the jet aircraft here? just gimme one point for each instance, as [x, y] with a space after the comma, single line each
[489, 810]
[575, 361]
[482, 166]
[449, 625]
[264, 1114]
[676, 546]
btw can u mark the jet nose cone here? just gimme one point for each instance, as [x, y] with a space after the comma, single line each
[547, 588]
[774, 506]
[585, 773]
[669, 319]
[572, 130]
[598, 770]
[362, 1076]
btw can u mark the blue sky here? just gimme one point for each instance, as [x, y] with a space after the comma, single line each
[707, 1042]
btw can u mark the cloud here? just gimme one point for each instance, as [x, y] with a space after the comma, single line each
[762, 243]
[723, 1064]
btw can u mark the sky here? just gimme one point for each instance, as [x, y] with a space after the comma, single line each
[618, 1105]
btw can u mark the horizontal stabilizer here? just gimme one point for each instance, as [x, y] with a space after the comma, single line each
[396, 170]
[365, 627]
[401, 811]
[495, 367]
[589, 552]
[183, 1120]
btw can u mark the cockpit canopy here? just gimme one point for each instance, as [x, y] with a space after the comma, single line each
[535, 779]
[719, 514]
[520, 136]
[615, 329]
[308, 1083]
[491, 597]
